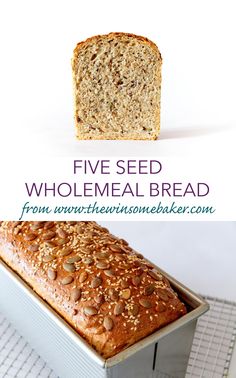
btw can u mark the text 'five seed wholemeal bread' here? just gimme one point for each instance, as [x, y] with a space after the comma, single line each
[117, 87]
[109, 293]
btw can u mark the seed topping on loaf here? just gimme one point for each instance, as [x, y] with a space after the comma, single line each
[93, 276]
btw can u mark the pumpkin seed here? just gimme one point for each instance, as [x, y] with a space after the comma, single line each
[96, 281]
[126, 293]
[83, 277]
[30, 236]
[90, 311]
[69, 267]
[52, 274]
[76, 294]
[145, 303]
[119, 308]
[108, 323]
[67, 280]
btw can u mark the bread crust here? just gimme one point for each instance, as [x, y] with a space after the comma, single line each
[115, 34]
[146, 302]
[111, 136]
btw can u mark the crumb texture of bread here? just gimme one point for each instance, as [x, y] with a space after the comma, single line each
[105, 290]
[117, 87]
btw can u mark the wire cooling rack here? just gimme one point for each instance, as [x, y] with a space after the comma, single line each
[210, 355]
[213, 341]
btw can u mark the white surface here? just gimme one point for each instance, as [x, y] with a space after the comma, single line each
[201, 255]
[196, 40]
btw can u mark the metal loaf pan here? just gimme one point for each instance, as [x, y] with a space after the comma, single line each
[164, 353]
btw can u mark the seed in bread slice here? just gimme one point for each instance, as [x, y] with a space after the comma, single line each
[117, 87]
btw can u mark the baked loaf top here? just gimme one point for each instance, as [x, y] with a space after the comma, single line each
[117, 87]
[109, 293]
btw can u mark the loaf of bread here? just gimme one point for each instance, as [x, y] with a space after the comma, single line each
[109, 293]
[117, 87]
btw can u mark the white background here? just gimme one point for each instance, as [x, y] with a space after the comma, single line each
[201, 255]
[197, 42]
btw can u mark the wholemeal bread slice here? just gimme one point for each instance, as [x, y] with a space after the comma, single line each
[117, 87]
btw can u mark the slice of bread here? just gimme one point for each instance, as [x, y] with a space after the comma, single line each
[117, 87]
